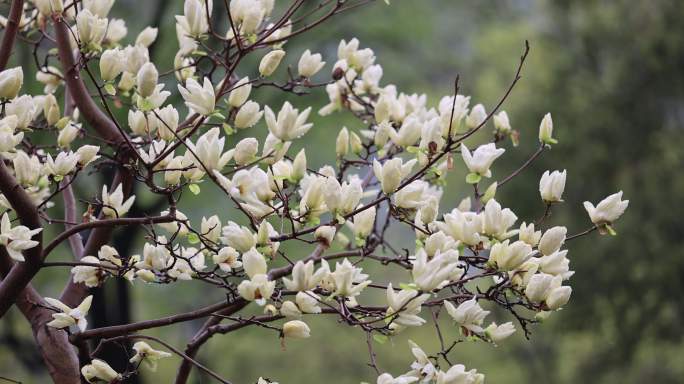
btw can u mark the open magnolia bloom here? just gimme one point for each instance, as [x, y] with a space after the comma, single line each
[70, 316]
[203, 169]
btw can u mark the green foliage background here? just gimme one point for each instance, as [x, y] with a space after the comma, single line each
[611, 75]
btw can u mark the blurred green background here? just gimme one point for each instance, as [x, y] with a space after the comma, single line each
[612, 75]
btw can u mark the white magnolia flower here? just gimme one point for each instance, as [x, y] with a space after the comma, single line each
[240, 92]
[552, 240]
[296, 329]
[147, 78]
[148, 355]
[344, 198]
[248, 115]
[258, 289]
[155, 257]
[195, 17]
[47, 7]
[200, 99]
[421, 367]
[407, 304]
[227, 259]
[211, 228]
[207, 153]
[49, 76]
[349, 280]
[303, 276]
[497, 333]
[100, 8]
[509, 257]
[481, 159]
[270, 62]
[501, 122]
[66, 317]
[290, 124]
[147, 36]
[98, 372]
[68, 134]
[325, 233]
[551, 186]
[51, 109]
[556, 263]
[113, 205]
[497, 221]
[342, 143]
[88, 275]
[8, 138]
[25, 108]
[27, 170]
[547, 288]
[476, 117]
[16, 239]
[468, 314]
[386, 378]
[434, 273]
[462, 226]
[458, 375]
[238, 237]
[391, 172]
[91, 28]
[309, 64]
[608, 210]
[63, 164]
[527, 234]
[10, 82]
[546, 130]
[409, 132]
[165, 120]
[307, 301]
[362, 223]
[246, 150]
[254, 263]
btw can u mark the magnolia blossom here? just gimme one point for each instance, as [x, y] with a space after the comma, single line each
[309, 64]
[16, 239]
[509, 257]
[290, 124]
[457, 374]
[67, 316]
[551, 186]
[10, 82]
[349, 280]
[240, 92]
[146, 354]
[296, 329]
[91, 28]
[407, 304]
[391, 172]
[546, 130]
[99, 371]
[269, 63]
[552, 240]
[199, 98]
[248, 115]
[497, 333]
[468, 314]
[303, 276]
[113, 204]
[608, 210]
[481, 159]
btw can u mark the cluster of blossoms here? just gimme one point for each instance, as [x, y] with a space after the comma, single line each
[391, 171]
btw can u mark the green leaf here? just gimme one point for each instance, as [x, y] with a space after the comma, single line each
[194, 188]
[473, 178]
[228, 129]
[381, 339]
[193, 238]
[410, 286]
[218, 115]
[109, 88]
